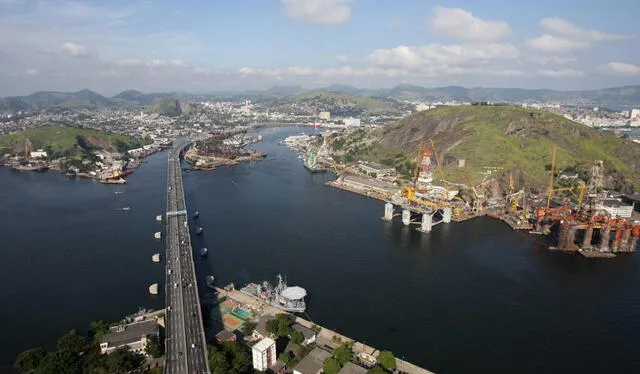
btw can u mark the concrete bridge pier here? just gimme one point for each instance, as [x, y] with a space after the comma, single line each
[406, 217]
[605, 236]
[446, 214]
[624, 242]
[634, 244]
[427, 223]
[388, 212]
[588, 236]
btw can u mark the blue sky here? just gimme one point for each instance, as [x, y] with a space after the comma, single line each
[202, 46]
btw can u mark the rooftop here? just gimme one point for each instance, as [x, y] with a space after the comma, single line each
[351, 368]
[313, 362]
[225, 335]
[306, 332]
[121, 335]
[263, 344]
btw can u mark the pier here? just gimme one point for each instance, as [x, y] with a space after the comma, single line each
[185, 343]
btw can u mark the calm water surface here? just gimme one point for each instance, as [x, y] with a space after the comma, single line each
[469, 296]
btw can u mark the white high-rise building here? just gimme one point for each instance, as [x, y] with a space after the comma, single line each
[351, 122]
[264, 354]
[635, 114]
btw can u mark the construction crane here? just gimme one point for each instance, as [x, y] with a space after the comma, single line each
[478, 198]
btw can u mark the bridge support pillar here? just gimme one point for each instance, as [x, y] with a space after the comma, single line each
[388, 212]
[634, 244]
[624, 242]
[588, 236]
[406, 217]
[427, 223]
[446, 214]
[605, 237]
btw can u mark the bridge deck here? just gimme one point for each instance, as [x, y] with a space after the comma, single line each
[185, 342]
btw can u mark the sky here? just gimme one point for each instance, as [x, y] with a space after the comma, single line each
[211, 45]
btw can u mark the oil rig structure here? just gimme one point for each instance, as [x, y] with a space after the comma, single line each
[423, 203]
[588, 228]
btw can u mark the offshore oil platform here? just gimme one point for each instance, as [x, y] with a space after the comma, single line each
[592, 226]
[423, 202]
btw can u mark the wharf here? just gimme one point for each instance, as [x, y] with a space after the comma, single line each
[325, 334]
[596, 254]
[511, 221]
[373, 195]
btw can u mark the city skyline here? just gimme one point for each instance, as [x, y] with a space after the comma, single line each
[202, 47]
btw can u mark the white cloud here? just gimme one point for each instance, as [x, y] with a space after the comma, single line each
[462, 24]
[551, 60]
[561, 73]
[152, 63]
[31, 72]
[75, 50]
[621, 69]
[558, 26]
[326, 12]
[342, 58]
[201, 70]
[562, 36]
[437, 55]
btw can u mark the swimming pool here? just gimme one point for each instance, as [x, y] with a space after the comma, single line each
[242, 313]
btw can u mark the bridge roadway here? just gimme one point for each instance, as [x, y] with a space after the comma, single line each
[186, 351]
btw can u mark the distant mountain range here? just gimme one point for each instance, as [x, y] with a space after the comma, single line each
[615, 97]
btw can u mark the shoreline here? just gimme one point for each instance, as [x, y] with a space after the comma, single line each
[325, 333]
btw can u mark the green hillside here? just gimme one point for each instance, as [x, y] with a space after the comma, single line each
[66, 141]
[516, 139]
[166, 107]
[335, 102]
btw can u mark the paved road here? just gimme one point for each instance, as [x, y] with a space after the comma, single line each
[185, 342]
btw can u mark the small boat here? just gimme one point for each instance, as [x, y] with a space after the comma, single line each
[118, 192]
[209, 279]
[199, 231]
[196, 214]
[157, 235]
[126, 208]
[203, 252]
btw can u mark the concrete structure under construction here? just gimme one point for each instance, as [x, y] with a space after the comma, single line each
[409, 211]
[264, 354]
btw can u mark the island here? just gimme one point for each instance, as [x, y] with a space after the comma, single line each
[222, 148]
[76, 152]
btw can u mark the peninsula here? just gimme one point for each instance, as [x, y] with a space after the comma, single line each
[75, 151]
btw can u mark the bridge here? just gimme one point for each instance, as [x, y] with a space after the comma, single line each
[186, 351]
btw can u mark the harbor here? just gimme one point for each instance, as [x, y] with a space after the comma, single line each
[596, 225]
[238, 307]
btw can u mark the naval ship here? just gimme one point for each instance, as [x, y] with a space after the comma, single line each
[290, 299]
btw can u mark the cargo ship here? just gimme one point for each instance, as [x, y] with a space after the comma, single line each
[290, 299]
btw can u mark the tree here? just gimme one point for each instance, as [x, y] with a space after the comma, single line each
[342, 354]
[331, 366]
[296, 337]
[59, 362]
[285, 357]
[28, 361]
[247, 328]
[217, 360]
[387, 360]
[97, 329]
[154, 348]
[72, 341]
[377, 370]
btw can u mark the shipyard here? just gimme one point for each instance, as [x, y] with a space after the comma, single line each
[580, 216]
